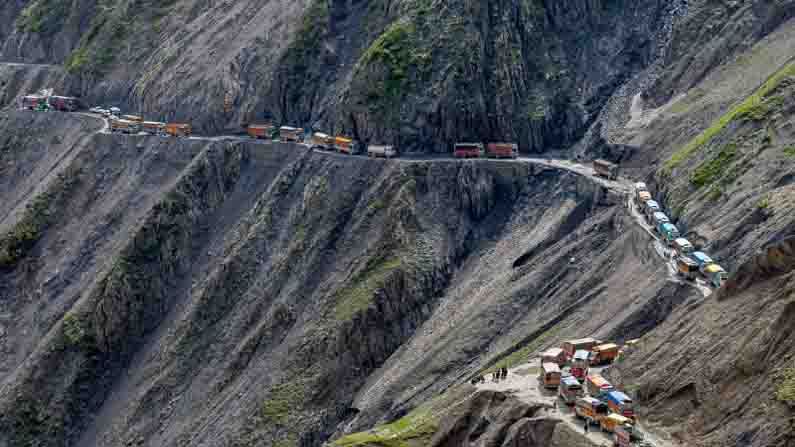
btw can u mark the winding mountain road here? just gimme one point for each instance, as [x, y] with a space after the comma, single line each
[623, 186]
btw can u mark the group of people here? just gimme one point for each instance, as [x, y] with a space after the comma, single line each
[496, 376]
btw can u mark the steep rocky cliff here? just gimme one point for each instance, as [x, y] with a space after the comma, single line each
[417, 73]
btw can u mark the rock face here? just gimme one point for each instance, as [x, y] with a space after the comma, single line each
[492, 418]
[405, 72]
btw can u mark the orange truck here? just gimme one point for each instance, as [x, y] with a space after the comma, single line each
[261, 131]
[124, 126]
[572, 346]
[347, 145]
[604, 354]
[178, 130]
[597, 385]
[550, 375]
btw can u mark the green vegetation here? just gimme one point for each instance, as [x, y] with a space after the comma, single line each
[358, 296]
[393, 49]
[786, 387]
[73, 330]
[790, 151]
[748, 109]
[764, 203]
[522, 355]
[38, 215]
[709, 171]
[413, 430]
[44, 16]
[282, 401]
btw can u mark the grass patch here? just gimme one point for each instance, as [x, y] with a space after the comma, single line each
[73, 330]
[392, 49]
[785, 392]
[414, 429]
[789, 151]
[746, 109]
[764, 203]
[39, 214]
[709, 171]
[282, 401]
[358, 296]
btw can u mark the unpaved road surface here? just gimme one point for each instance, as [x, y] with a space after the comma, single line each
[523, 383]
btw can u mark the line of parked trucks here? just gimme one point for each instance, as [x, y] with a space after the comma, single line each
[690, 263]
[350, 146]
[594, 399]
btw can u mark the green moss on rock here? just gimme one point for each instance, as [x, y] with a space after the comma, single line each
[358, 296]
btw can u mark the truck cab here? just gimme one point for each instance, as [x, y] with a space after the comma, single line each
[716, 275]
[658, 219]
[702, 260]
[683, 247]
[669, 232]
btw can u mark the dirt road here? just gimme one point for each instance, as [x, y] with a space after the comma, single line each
[523, 383]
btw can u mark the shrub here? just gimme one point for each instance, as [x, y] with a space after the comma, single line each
[711, 170]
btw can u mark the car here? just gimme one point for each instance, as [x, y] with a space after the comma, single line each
[115, 110]
[106, 113]
[97, 110]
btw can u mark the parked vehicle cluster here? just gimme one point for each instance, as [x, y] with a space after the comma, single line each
[46, 102]
[347, 145]
[134, 124]
[689, 262]
[594, 398]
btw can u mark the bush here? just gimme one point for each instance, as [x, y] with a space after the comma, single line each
[711, 170]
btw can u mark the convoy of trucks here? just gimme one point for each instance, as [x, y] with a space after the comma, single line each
[592, 397]
[689, 261]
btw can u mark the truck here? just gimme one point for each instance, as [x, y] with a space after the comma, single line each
[34, 102]
[153, 127]
[686, 267]
[321, 141]
[124, 126]
[590, 409]
[468, 150]
[374, 150]
[133, 118]
[658, 219]
[289, 134]
[502, 150]
[643, 197]
[553, 355]
[682, 247]
[570, 390]
[550, 375]
[625, 434]
[715, 275]
[611, 421]
[640, 186]
[620, 403]
[604, 354]
[180, 130]
[604, 168]
[572, 346]
[701, 259]
[669, 232]
[346, 145]
[261, 131]
[597, 386]
[579, 364]
[64, 103]
[650, 208]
